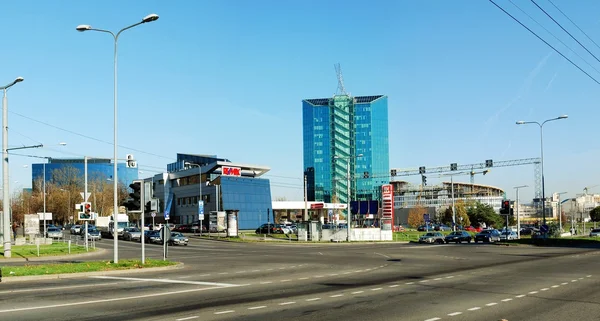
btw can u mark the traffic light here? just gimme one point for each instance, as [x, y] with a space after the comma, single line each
[85, 211]
[505, 209]
[489, 163]
[393, 172]
[134, 203]
[148, 207]
[422, 170]
[424, 180]
[453, 166]
[366, 175]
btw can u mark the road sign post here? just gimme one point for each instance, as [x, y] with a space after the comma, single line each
[200, 214]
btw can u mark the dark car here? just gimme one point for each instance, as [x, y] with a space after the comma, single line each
[267, 228]
[458, 237]
[487, 236]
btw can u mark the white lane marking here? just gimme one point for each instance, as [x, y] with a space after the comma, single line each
[376, 289]
[506, 300]
[224, 312]
[385, 256]
[320, 253]
[346, 273]
[184, 277]
[454, 313]
[581, 278]
[449, 277]
[437, 279]
[520, 296]
[240, 272]
[368, 269]
[313, 299]
[358, 271]
[163, 281]
[204, 275]
[302, 278]
[357, 292]
[137, 297]
[258, 307]
[588, 276]
[266, 282]
[423, 281]
[474, 309]
[394, 285]
[491, 304]
[564, 283]
[545, 289]
[64, 287]
[555, 286]
[285, 280]
[255, 270]
[188, 318]
[320, 276]
[533, 292]
[433, 319]
[410, 283]
[573, 280]
[335, 274]
[336, 296]
[287, 303]
[382, 266]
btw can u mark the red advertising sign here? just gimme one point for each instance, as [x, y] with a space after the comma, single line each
[387, 196]
[231, 171]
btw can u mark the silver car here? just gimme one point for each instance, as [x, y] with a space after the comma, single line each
[132, 234]
[178, 239]
[54, 232]
[432, 237]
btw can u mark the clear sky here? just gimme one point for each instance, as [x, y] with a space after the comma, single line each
[228, 77]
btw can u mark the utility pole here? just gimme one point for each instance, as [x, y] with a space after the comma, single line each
[305, 200]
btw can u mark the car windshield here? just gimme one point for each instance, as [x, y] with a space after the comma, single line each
[53, 229]
[429, 234]
[456, 233]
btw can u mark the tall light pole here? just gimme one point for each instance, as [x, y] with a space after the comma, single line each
[200, 201]
[81, 28]
[518, 215]
[348, 178]
[541, 125]
[6, 201]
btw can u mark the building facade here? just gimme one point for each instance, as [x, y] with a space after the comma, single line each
[222, 185]
[72, 170]
[342, 135]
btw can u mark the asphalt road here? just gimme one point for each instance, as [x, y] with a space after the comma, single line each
[281, 281]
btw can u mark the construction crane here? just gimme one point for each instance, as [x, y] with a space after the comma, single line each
[585, 189]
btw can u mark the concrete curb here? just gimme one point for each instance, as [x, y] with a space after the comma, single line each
[12, 279]
[53, 257]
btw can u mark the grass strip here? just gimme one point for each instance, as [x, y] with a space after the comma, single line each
[54, 249]
[78, 267]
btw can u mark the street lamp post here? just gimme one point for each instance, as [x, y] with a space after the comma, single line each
[518, 215]
[560, 212]
[81, 28]
[199, 191]
[6, 201]
[521, 122]
[348, 178]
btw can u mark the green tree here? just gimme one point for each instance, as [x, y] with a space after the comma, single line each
[479, 213]
[595, 214]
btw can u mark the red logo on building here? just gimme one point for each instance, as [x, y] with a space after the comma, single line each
[232, 171]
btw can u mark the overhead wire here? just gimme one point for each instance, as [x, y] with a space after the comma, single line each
[565, 30]
[544, 41]
[555, 37]
[573, 22]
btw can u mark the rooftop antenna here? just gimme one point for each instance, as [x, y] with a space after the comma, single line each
[341, 90]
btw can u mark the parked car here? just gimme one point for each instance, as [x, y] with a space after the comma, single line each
[487, 236]
[54, 232]
[153, 237]
[432, 237]
[178, 239]
[443, 227]
[458, 237]
[508, 235]
[473, 229]
[132, 234]
[595, 232]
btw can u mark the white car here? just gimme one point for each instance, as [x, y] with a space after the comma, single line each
[508, 235]
[75, 229]
[54, 232]
[595, 232]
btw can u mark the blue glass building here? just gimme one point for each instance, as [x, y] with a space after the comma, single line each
[223, 186]
[68, 170]
[345, 134]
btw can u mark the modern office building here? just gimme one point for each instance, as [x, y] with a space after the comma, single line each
[221, 184]
[72, 170]
[345, 134]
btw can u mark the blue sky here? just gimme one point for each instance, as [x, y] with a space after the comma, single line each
[227, 78]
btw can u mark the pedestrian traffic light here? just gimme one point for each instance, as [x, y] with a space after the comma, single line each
[424, 180]
[422, 170]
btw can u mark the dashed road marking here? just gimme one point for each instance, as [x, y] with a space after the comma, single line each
[319, 276]
[588, 276]
[188, 318]
[437, 279]
[335, 274]
[520, 296]
[258, 307]
[285, 280]
[258, 270]
[409, 283]
[474, 309]
[506, 300]
[491, 304]
[533, 292]
[433, 319]
[449, 277]
[394, 285]
[376, 289]
[313, 299]
[573, 280]
[423, 281]
[287, 303]
[564, 283]
[238, 272]
[545, 289]
[302, 278]
[555, 286]
[336, 295]
[223, 273]
[454, 313]
[357, 292]
[225, 312]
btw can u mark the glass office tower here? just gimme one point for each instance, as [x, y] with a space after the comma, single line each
[345, 134]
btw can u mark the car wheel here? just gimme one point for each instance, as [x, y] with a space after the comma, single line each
[447, 242]
[475, 241]
[469, 241]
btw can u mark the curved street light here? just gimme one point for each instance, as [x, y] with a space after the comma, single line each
[82, 28]
[6, 201]
[541, 125]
